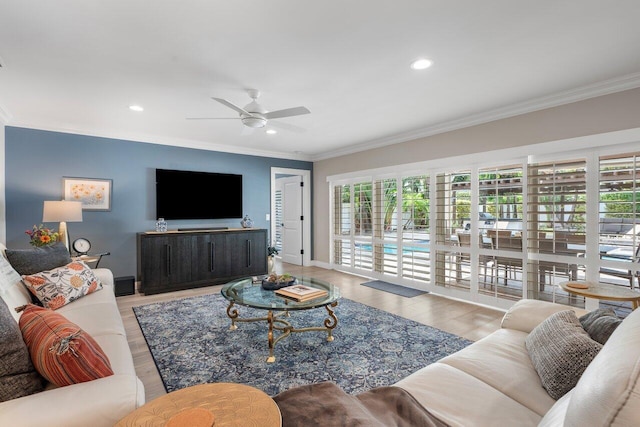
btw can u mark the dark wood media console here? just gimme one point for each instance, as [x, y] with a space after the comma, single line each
[178, 260]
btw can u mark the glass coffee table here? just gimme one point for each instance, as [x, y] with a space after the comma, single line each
[245, 292]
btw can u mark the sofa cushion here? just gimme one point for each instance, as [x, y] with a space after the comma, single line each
[560, 350]
[35, 260]
[62, 285]
[18, 377]
[8, 275]
[12, 290]
[600, 324]
[60, 350]
[460, 399]
[526, 314]
[501, 360]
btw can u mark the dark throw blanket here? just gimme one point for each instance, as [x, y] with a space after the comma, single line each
[325, 404]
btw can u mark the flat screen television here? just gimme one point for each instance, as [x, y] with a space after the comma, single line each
[197, 195]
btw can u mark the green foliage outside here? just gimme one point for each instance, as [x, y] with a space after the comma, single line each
[622, 204]
[565, 211]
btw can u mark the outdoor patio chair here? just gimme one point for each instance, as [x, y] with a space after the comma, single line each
[622, 273]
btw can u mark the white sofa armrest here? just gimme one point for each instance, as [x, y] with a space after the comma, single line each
[94, 403]
[526, 314]
[105, 275]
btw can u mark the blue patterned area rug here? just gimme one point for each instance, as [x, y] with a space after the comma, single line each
[191, 344]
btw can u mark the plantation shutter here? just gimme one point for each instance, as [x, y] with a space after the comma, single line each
[385, 225]
[415, 228]
[500, 222]
[619, 218]
[557, 195]
[363, 225]
[278, 242]
[453, 199]
[342, 225]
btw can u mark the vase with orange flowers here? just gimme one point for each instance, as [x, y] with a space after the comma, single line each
[42, 236]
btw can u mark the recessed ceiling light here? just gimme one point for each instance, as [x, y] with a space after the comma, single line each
[421, 64]
[272, 132]
[136, 108]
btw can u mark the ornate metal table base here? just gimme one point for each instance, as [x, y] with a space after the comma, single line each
[276, 322]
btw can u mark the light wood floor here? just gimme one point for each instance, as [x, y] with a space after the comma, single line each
[467, 320]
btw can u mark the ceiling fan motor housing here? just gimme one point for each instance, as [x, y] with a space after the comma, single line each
[257, 111]
[256, 120]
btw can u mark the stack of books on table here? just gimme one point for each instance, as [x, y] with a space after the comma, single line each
[301, 293]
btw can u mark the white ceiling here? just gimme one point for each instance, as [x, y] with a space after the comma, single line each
[76, 66]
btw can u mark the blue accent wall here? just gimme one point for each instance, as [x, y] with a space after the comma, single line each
[37, 160]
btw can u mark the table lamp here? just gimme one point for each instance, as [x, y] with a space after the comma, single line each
[62, 211]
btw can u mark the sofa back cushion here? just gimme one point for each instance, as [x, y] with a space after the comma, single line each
[608, 393]
[12, 291]
[35, 260]
[18, 377]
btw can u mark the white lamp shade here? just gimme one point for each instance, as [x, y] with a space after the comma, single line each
[62, 211]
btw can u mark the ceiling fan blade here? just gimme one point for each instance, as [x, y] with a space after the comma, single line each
[232, 106]
[287, 126]
[287, 112]
[213, 118]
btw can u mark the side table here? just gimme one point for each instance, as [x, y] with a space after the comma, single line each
[236, 405]
[604, 291]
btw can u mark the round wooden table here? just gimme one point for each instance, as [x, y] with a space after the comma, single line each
[604, 291]
[231, 404]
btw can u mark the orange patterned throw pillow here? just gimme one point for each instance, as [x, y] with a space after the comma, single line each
[60, 350]
[62, 285]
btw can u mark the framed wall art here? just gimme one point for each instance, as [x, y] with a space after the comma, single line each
[94, 193]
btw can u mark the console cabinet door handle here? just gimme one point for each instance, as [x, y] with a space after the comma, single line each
[248, 253]
[212, 260]
[168, 249]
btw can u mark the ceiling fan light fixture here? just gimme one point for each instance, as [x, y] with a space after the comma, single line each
[254, 121]
[421, 64]
[272, 131]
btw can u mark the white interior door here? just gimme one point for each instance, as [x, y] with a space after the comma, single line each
[292, 219]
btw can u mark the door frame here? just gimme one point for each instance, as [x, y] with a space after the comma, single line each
[305, 176]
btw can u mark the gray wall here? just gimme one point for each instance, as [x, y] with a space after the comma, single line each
[37, 160]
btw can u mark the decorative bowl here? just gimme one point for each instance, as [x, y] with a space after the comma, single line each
[272, 286]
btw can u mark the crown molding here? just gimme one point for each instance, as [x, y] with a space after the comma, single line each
[174, 142]
[618, 84]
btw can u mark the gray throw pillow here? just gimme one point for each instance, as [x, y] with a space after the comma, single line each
[18, 377]
[35, 260]
[600, 324]
[560, 350]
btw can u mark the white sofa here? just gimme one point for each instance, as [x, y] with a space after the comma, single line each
[94, 403]
[493, 382]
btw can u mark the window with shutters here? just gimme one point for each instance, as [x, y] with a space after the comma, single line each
[363, 226]
[500, 219]
[619, 219]
[453, 216]
[279, 221]
[497, 233]
[557, 197]
[415, 259]
[385, 225]
[342, 225]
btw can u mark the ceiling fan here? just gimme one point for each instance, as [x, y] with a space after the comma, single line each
[254, 115]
